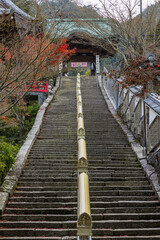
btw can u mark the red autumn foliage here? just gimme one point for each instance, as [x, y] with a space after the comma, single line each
[38, 53]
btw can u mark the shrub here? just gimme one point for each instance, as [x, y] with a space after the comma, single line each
[88, 72]
[8, 153]
[10, 141]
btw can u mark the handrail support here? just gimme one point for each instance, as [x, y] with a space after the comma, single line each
[84, 238]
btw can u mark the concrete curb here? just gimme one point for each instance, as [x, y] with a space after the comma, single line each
[11, 179]
[137, 148]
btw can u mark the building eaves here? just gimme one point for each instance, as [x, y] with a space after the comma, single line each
[14, 9]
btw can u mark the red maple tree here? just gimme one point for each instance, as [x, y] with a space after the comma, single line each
[27, 61]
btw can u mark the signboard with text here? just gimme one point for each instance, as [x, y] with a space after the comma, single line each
[79, 64]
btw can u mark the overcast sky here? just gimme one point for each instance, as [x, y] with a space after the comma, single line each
[145, 3]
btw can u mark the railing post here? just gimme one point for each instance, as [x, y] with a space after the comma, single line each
[144, 130]
[117, 100]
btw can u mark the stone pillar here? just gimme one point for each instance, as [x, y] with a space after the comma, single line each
[41, 98]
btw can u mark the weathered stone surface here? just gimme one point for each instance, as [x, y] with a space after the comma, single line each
[8, 186]
[3, 201]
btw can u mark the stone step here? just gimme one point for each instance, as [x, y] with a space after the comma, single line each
[94, 237]
[47, 205]
[92, 193]
[119, 183]
[71, 177]
[95, 204]
[45, 198]
[109, 162]
[121, 224]
[71, 157]
[100, 187]
[37, 232]
[66, 180]
[39, 224]
[95, 167]
[118, 169]
[72, 144]
[130, 232]
[95, 217]
[101, 224]
[51, 197]
[128, 237]
[39, 238]
[126, 216]
[70, 172]
[40, 217]
[101, 184]
[65, 210]
[118, 179]
[60, 211]
[53, 153]
[127, 210]
[54, 192]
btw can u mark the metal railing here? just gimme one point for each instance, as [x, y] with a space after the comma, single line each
[142, 116]
[84, 220]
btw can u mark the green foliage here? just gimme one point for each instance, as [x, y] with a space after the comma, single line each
[32, 111]
[74, 71]
[10, 142]
[30, 117]
[12, 133]
[8, 153]
[88, 72]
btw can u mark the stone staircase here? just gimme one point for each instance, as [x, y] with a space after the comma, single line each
[123, 205]
[44, 205]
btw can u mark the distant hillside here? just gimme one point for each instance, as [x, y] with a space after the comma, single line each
[57, 8]
[68, 9]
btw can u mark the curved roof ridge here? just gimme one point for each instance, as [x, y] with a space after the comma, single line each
[16, 9]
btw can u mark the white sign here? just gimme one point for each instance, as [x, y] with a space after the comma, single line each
[97, 64]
